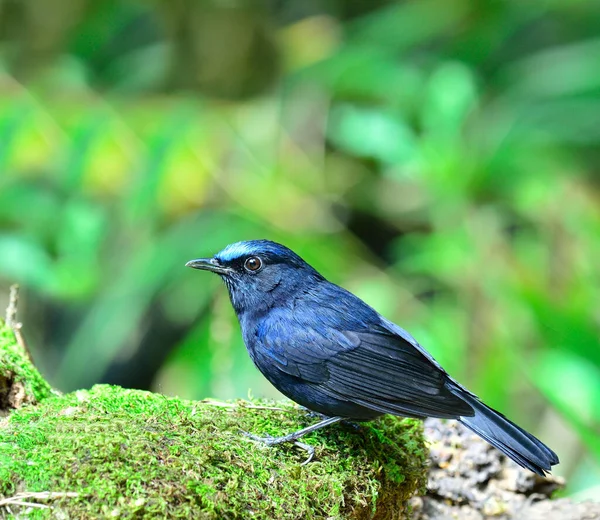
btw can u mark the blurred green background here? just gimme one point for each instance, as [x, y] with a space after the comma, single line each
[439, 159]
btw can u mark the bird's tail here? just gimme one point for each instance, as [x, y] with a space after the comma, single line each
[519, 445]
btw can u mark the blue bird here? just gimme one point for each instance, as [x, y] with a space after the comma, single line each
[327, 350]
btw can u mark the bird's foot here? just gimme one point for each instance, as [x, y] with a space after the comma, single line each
[293, 437]
[268, 440]
[274, 441]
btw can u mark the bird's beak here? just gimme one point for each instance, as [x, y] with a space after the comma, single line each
[208, 264]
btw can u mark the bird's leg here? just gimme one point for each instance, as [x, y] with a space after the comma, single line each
[272, 441]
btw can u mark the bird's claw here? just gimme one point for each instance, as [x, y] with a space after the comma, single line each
[309, 449]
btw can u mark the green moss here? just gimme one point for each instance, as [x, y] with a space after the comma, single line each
[17, 369]
[134, 454]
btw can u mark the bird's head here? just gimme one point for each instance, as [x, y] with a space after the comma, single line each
[258, 273]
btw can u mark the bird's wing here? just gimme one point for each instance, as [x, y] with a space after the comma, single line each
[384, 372]
[360, 357]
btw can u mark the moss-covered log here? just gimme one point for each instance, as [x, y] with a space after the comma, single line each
[130, 454]
[133, 454]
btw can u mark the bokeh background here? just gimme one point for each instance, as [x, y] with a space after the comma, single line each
[439, 159]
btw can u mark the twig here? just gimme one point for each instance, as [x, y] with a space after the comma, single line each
[18, 499]
[29, 504]
[11, 310]
[11, 319]
[221, 404]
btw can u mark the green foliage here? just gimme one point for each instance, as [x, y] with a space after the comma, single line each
[438, 160]
[134, 454]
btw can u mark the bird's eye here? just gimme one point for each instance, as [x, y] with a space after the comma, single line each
[253, 264]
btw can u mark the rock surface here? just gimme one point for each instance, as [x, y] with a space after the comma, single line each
[470, 480]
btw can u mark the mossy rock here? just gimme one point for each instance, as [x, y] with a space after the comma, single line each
[111, 452]
[135, 454]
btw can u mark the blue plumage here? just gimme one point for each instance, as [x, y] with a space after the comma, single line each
[329, 351]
